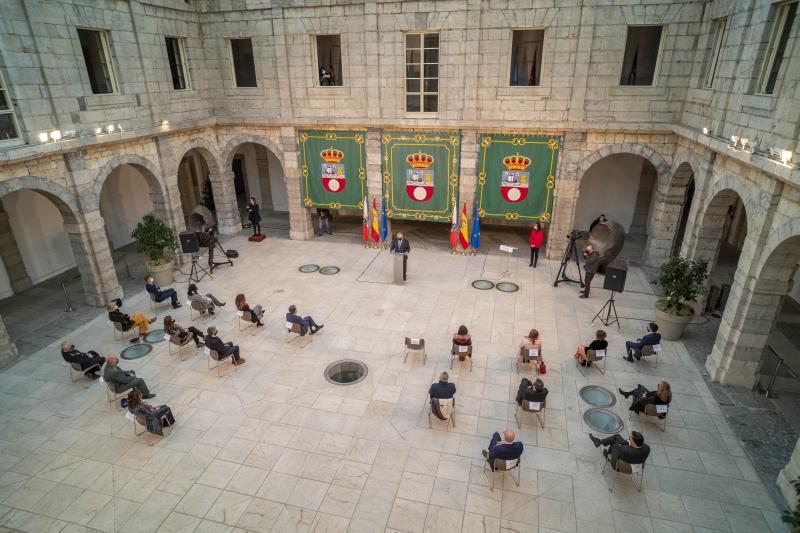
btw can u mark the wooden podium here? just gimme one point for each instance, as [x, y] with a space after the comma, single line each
[398, 268]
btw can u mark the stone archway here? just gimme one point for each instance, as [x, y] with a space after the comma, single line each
[196, 176]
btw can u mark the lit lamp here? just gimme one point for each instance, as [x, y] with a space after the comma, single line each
[734, 140]
[786, 156]
[110, 128]
[165, 122]
[705, 131]
[43, 137]
[744, 140]
[55, 135]
[98, 131]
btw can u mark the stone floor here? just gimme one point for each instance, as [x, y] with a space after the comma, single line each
[272, 446]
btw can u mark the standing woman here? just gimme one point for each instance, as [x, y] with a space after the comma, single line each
[254, 215]
[537, 235]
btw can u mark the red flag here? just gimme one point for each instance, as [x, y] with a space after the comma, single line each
[454, 228]
[464, 233]
[365, 224]
[376, 230]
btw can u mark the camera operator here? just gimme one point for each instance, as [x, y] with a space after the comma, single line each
[591, 264]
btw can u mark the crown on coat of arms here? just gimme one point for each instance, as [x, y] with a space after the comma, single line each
[420, 160]
[516, 162]
[331, 155]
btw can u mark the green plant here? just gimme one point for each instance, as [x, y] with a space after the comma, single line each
[682, 280]
[793, 517]
[156, 239]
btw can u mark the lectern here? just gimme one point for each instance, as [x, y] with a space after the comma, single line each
[398, 268]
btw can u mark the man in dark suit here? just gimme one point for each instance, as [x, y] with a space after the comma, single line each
[442, 390]
[306, 323]
[533, 392]
[161, 295]
[634, 349]
[505, 449]
[401, 246]
[123, 380]
[224, 349]
[633, 452]
[590, 266]
[90, 363]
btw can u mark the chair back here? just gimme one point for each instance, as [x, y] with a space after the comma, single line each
[293, 328]
[649, 350]
[502, 465]
[246, 315]
[152, 296]
[212, 353]
[118, 326]
[533, 407]
[141, 420]
[415, 344]
[529, 353]
[176, 339]
[595, 355]
[197, 305]
[652, 409]
[446, 406]
[76, 367]
[462, 351]
[624, 467]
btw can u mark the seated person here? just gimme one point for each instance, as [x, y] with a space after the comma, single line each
[642, 397]
[599, 343]
[306, 323]
[255, 313]
[156, 418]
[533, 392]
[161, 295]
[224, 349]
[206, 302]
[634, 349]
[127, 322]
[532, 340]
[461, 338]
[172, 328]
[633, 452]
[123, 380]
[505, 449]
[441, 391]
[87, 361]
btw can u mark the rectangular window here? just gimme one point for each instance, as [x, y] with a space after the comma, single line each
[97, 56]
[243, 62]
[784, 19]
[422, 72]
[716, 45]
[329, 60]
[640, 63]
[9, 131]
[177, 63]
[526, 58]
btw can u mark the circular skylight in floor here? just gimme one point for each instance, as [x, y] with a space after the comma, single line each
[346, 372]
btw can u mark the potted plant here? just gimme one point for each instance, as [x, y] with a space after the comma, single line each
[157, 240]
[682, 280]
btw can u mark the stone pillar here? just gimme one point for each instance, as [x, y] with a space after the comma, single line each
[789, 473]
[9, 253]
[87, 236]
[8, 351]
[665, 217]
[169, 207]
[374, 156]
[647, 183]
[300, 227]
[566, 194]
[229, 220]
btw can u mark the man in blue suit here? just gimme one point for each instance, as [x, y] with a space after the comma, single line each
[306, 323]
[634, 349]
[160, 295]
[505, 449]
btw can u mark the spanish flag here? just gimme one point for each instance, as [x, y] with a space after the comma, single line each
[376, 229]
[464, 233]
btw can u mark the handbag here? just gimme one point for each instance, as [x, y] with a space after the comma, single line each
[542, 368]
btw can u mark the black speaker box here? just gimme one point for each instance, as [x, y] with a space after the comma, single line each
[189, 242]
[616, 272]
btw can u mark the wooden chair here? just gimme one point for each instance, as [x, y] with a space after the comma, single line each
[415, 345]
[657, 414]
[175, 340]
[75, 368]
[113, 395]
[625, 469]
[294, 329]
[651, 351]
[537, 408]
[213, 355]
[462, 353]
[502, 466]
[595, 357]
[442, 402]
[529, 355]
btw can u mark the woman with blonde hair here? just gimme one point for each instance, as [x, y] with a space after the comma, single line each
[643, 397]
[255, 313]
[532, 340]
[599, 343]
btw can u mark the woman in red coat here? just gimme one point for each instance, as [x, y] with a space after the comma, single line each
[536, 242]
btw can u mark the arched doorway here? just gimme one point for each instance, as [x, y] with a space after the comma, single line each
[125, 198]
[194, 182]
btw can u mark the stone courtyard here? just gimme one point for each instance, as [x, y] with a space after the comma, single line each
[272, 446]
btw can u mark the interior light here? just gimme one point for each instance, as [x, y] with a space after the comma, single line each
[786, 156]
[55, 135]
[43, 137]
[110, 128]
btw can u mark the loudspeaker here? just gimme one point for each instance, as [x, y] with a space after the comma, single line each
[616, 272]
[189, 242]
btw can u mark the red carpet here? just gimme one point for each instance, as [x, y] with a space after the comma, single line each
[256, 238]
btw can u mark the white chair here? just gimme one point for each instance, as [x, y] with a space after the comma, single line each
[462, 353]
[625, 469]
[214, 356]
[413, 344]
[537, 408]
[445, 405]
[657, 414]
[595, 357]
[529, 355]
[502, 466]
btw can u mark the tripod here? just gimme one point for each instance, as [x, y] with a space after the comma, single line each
[570, 253]
[610, 309]
[194, 274]
[214, 243]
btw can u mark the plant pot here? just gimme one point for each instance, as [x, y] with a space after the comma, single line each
[671, 326]
[162, 274]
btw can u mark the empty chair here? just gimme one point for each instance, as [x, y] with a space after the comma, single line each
[528, 355]
[537, 408]
[446, 408]
[415, 345]
[462, 353]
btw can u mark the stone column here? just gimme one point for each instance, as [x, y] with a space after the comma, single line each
[647, 183]
[665, 217]
[789, 473]
[262, 163]
[374, 157]
[300, 227]
[229, 220]
[8, 351]
[87, 236]
[9, 253]
[566, 194]
[169, 207]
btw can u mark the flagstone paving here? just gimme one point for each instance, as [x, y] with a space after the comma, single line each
[272, 446]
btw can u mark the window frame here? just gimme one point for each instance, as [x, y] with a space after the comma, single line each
[422, 93]
[315, 59]
[776, 32]
[657, 67]
[509, 63]
[719, 25]
[18, 140]
[229, 41]
[105, 42]
[187, 79]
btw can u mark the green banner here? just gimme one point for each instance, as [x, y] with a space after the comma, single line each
[420, 174]
[333, 164]
[516, 176]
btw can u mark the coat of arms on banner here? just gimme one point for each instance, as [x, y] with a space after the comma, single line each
[419, 178]
[333, 177]
[514, 181]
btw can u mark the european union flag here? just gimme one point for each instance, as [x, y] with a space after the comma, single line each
[476, 230]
